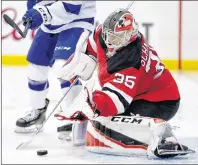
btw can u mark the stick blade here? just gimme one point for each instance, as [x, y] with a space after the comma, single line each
[22, 145]
[10, 22]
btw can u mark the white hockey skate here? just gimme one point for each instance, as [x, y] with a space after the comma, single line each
[32, 121]
[167, 145]
[168, 150]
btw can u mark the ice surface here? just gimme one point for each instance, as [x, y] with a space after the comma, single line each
[15, 101]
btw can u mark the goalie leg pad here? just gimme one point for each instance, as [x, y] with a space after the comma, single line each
[131, 135]
[119, 135]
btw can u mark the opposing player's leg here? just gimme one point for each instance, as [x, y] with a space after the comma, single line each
[63, 53]
[39, 56]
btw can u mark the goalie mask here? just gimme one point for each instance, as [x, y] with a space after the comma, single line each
[118, 30]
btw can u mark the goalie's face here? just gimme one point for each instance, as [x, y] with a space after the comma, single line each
[118, 29]
[115, 39]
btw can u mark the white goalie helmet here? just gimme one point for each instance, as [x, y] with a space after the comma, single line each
[118, 30]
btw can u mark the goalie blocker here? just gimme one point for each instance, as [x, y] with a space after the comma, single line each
[132, 135]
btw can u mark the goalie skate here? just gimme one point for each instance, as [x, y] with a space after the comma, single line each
[168, 150]
[32, 121]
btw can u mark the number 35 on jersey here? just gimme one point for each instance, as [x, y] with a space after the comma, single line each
[128, 81]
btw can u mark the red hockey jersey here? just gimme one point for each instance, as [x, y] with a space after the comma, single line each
[135, 72]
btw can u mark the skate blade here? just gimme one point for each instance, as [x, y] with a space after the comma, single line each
[65, 136]
[79, 142]
[165, 152]
[27, 130]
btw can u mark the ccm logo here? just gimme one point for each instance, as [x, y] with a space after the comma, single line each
[62, 48]
[126, 119]
[44, 14]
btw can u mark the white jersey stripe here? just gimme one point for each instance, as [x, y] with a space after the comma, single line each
[116, 101]
[126, 96]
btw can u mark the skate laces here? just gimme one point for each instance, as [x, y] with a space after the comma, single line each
[31, 115]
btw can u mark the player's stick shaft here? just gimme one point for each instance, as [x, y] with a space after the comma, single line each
[129, 5]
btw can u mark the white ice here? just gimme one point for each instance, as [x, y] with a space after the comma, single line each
[15, 101]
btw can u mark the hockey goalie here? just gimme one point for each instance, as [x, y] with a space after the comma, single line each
[138, 95]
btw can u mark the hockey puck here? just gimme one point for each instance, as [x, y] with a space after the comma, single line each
[42, 152]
